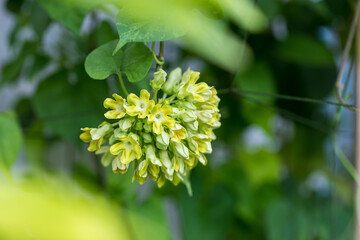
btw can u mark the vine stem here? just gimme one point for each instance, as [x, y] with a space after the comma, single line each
[122, 84]
[345, 56]
[159, 62]
[357, 132]
[161, 56]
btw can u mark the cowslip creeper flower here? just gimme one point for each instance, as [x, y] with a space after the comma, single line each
[163, 141]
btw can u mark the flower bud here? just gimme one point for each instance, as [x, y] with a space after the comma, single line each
[97, 133]
[159, 79]
[147, 127]
[192, 125]
[205, 115]
[147, 138]
[187, 116]
[118, 133]
[181, 150]
[107, 158]
[125, 124]
[162, 140]
[173, 79]
[142, 168]
[186, 105]
[165, 160]
[139, 126]
[118, 166]
[150, 154]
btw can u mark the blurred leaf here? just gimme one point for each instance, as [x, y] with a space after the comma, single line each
[200, 219]
[40, 62]
[66, 107]
[261, 166]
[210, 8]
[148, 220]
[105, 33]
[67, 12]
[258, 78]
[245, 14]
[149, 31]
[14, 5]
[256, 108]
[270, 8]
[134, 60]
[80, 214]
[305, 50]
[287, 221]
[11, 70]
[35, 143]
[10, 140]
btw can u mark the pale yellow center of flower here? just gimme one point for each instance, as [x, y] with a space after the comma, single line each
[158, 117]
[128, 145]
[119, 107]
[141, 105]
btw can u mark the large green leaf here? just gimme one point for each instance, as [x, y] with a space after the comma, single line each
[134, 60]
[66, 107]
[153, 30]
[10, 140]
[68, 12]
[305, 50]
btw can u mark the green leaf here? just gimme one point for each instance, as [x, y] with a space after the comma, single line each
[153, 30]
[305, 50]
[35, 145]
[255, 107]
[286, 220]
[259, 78]
[261, 167]
[68, 12]
[66, 107]
[134, 60]
[150, 215]
[12, 70]
[10, 140]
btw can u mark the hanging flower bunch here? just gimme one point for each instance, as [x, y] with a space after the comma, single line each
[162, 138]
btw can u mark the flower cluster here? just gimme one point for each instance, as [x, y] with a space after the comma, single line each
[164, 138]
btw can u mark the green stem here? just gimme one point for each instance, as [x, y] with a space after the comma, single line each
[155, 96]
[164, 96]
[159, 62]
[122, 84]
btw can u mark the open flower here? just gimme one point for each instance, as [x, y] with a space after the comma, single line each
[117, 106]
[95, 135]
[128, 147]
[177, 133]
[188, 88]
[139, 106]
[159, 117]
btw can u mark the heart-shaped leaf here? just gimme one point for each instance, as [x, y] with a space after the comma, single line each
[153, 30]
[134, 60]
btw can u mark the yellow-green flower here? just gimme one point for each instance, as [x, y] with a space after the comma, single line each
[95, 135]
[139, 106]
[128, 147]
[118, 106]
[200, 143]
[188, 88]
[118, 166]
[159, 117]
[177, 133]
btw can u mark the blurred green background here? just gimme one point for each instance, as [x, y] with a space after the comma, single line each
[275, 171]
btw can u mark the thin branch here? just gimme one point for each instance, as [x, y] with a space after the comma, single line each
[245, 93]
[158, 61]
[122, 84]
[348, 45]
